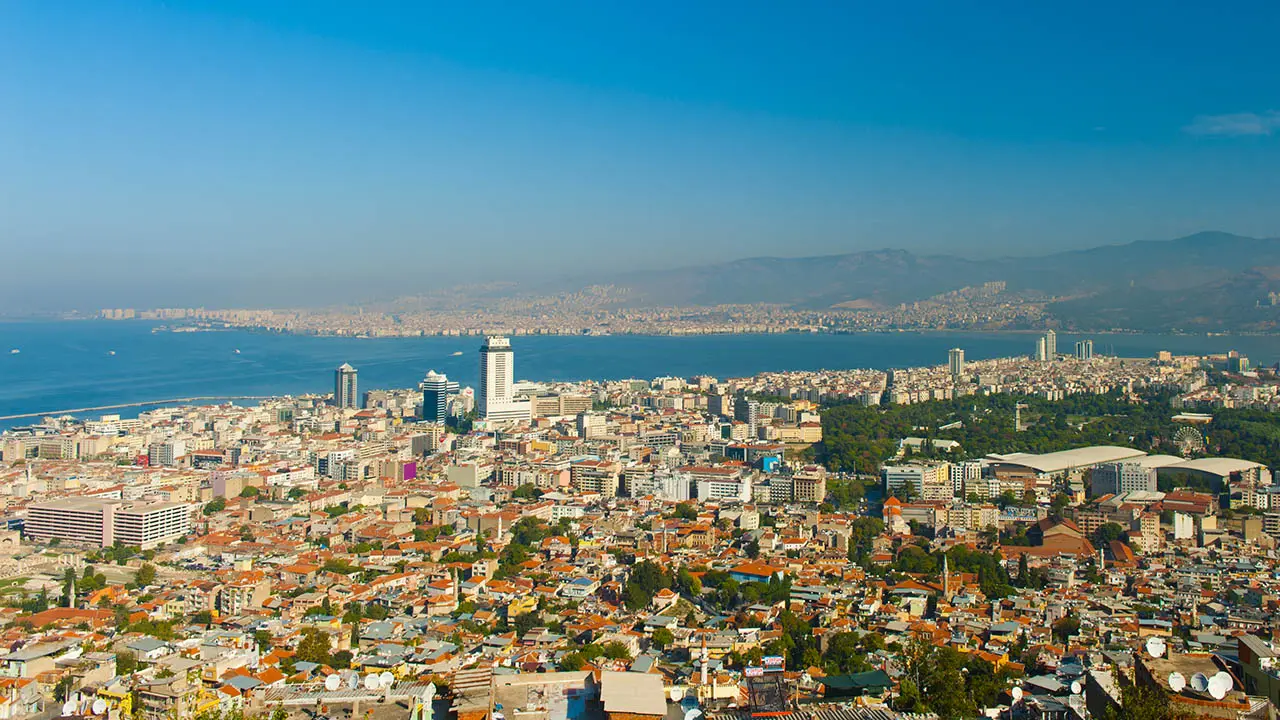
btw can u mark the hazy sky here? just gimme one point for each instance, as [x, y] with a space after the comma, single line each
[243, 152]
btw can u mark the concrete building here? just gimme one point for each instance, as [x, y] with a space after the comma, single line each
[93, 521]
[809, 485]
[1122, 477]
[965, 477]
[596, 476]
[166, 453]
[1084, 350]
[919, 481]
[435, 397]
[497, 401]
[345, 393]
[955, 362]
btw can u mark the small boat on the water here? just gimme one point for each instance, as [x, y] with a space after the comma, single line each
[237, 351]
[457, 354]
[111, 352]
[14, 351]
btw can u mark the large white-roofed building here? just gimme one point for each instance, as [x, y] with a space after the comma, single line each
[1066, 461]
[1220, 469]
[1040, 472]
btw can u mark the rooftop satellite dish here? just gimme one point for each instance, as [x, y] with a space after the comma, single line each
[1075, 687]
[385, 679]
[99, 706]
[1220, 684]
[332, 683]
[1200, 682]
[353, 681]
[1177, 681]
[371, 682]
[69, 707]
[1016, 693]
[1155, 647]
[692, 714]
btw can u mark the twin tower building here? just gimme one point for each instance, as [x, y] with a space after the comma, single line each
[496, 400]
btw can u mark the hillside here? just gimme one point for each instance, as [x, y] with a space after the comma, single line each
[1207, 281]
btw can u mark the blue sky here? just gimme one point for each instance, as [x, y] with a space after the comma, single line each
[246, 152]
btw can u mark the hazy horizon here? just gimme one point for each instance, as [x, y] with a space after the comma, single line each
[276, 154]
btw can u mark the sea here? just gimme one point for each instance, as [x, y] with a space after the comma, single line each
[63, 365]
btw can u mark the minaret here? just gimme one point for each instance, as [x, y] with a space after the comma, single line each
[946, 578]
[703, 674]
[71, 595]
[1102, 561]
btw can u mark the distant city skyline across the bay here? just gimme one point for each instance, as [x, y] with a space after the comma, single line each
[89, 364]
[250, 154]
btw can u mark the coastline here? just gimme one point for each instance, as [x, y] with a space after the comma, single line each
[750, 329]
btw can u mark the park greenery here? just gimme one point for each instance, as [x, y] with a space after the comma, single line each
[860, 438]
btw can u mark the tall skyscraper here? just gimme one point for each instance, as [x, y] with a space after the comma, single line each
[1051, 345]
[344, 387]
[1084, 350]
[1041, 353]
[955, 359]
[497, 382]
[435, 397]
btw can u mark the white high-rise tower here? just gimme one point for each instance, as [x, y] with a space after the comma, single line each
[955, 361]
[344, 387]
[497, 400]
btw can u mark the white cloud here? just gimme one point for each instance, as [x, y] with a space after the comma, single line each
[1233, 124]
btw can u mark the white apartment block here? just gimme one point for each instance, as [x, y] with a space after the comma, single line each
[104, 522]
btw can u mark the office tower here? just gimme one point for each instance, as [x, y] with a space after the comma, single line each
[497, 372]
[1050, 345]
[344, 387]
[955, 359]
[1084, 350]
[435, 397]
[747, 411]
[1041, 354]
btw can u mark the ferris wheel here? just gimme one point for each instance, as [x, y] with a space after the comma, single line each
[1188, 441]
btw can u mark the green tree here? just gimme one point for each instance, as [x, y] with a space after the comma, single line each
[686, 511]
[616, 651]
[314, 646]
[572, 662]
[528, 491]
[215, 505]
[662, 638]
[1106, 533]
[145, 576]
[1064, 628]
[1145, 703]
[126, 663]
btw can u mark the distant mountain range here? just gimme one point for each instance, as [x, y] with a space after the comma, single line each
[1204, 282]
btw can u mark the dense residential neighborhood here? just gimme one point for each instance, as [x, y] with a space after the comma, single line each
[744, 547]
